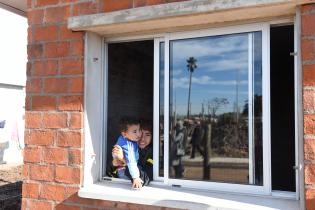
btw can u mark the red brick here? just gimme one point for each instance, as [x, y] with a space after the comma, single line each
[307, 49]
[41, 173]
[76, 120]
[107, 204]
[29, 69]
[171, 1]
[65, 33]
[25, 171]
[33, 120]
[308, 28]
[67, 175]
[307, 8]
[309, 100]
[46, 33]
[28, 103]
[309, 124]
[77, 48]
[53, 192]
[309, 173]
[40, 205]
[112, 5]
[34, 51]
[41, 3]
[26, 136]
[30, 190]
[32, 154]
[309, 149]
[57, 14]
[29, 4]
[310, 199]
[38, 137]
[75, 157]
[76, 85]
[85, 8]
[33, 86]
[56, 85]
[309, 75]
[35, 16]
[45, 68]
[67, 207]
[71, 66]
[74, 198]
[141, 3]
[55, 155]
[44, 103]
[68, 1]
[90, 209]
[55, 120]
[69, 139]
[30, 35]
[60, 49]
[24, 204]
[71, 103]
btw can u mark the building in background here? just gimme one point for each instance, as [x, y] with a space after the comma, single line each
[83, 56]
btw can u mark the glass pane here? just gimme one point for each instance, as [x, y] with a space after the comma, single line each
[209, 109]
[257, 109]
[161, 133]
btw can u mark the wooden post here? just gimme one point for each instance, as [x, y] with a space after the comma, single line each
[207, 152]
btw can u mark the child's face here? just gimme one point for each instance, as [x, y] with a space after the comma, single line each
[146, 139]
[133, 132]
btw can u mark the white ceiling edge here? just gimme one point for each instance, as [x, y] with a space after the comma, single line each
[16, 6]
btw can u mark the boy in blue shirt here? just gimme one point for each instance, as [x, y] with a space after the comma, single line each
[130, 135]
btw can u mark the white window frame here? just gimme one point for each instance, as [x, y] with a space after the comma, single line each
[200, 185]
[252, 189]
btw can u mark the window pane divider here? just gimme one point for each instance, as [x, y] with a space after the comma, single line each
[156, 108]
[166, 108]
[266, 107]
[251, 145]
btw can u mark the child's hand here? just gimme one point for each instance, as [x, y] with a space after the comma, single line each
[137, 183]
[117, 162]
[118, 153]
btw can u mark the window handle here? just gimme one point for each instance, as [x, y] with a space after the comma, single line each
[293, 53]
[295, 167]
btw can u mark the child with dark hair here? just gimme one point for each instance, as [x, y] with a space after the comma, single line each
[145, 162]
[130, 135]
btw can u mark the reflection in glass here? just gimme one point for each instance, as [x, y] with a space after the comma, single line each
[161, 126]
[215, 108]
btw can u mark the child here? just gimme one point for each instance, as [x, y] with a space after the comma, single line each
[130, 135]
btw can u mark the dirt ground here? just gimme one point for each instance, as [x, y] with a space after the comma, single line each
[10, 186]
[10, 174]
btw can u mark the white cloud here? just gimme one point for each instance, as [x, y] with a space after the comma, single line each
[183, 82]
[209, 46]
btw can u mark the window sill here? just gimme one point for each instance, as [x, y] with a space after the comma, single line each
[183, 198]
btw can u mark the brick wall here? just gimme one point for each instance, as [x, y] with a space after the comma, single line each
[54, 104]
[308, 62]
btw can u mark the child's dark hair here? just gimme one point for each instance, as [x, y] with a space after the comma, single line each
[127, 121]
[146, 125]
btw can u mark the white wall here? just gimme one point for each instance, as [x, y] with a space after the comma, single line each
[13, 58]
[13, 48]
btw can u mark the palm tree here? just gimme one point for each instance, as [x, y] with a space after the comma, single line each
[191, 66]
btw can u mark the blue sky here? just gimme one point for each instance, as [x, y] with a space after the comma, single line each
[221, 62]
